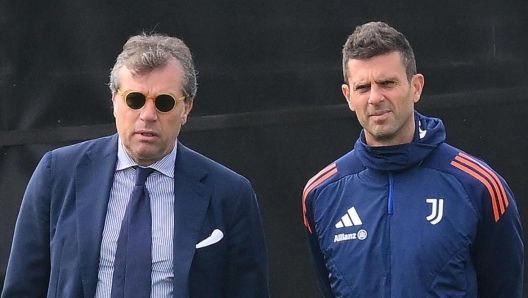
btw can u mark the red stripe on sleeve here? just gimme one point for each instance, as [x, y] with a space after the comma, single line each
[484, 181]
[496, 178]
[321, 172]
[478, 168]
[313, 183]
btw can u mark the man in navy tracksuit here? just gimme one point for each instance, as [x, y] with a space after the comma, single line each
[405, 214]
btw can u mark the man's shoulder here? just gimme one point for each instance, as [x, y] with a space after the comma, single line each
[346, 165]
[87, 146]
[456, 161]
[190, 160]
[73, 154]
[472, 172]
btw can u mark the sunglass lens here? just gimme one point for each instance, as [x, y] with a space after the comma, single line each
[135, 100]
[165, 103]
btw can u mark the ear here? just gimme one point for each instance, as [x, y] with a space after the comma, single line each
[417, 84]
[114, 106]
[346, 92]
[185, 111]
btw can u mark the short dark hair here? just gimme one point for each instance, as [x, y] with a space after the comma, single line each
[145, 52]
[375, 39]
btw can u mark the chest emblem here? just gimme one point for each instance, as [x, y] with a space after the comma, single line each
[437, 210]
[350, 219]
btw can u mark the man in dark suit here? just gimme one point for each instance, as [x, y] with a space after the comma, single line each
[75, 232]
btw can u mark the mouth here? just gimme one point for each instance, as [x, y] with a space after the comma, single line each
[146, 135]
[378, 112]
[379, 115]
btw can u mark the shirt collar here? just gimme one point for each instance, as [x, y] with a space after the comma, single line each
[164, 165]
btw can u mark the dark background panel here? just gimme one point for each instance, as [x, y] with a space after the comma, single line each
[269, 101]
[251, 55]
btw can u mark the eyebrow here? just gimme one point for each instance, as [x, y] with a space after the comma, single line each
[379, 82]
[387, 80]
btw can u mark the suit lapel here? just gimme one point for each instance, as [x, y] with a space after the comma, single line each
[93, 182]
[190, 205]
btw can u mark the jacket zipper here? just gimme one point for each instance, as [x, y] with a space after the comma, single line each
[391, 191]
[390, 211]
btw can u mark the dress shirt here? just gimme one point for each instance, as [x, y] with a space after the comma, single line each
[160, 185]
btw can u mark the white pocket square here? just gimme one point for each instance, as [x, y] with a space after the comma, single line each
[215, 236]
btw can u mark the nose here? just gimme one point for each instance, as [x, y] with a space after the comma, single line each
[376, 95]
[149, 112]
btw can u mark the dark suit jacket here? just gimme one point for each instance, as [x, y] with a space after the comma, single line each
[59, 228]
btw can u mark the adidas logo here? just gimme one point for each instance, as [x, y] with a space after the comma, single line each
[350, 219]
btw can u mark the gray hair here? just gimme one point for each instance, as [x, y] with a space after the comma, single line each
[145, 52]
[376, 39]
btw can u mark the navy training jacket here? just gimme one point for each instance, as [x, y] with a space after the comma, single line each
[415, 220]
